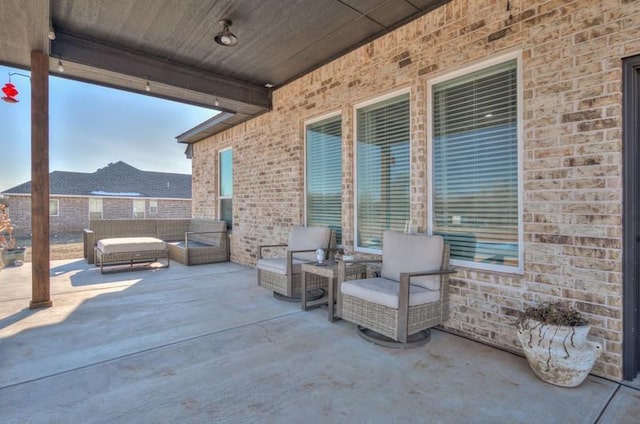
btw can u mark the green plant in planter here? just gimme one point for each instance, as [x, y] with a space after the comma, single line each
[554, 340]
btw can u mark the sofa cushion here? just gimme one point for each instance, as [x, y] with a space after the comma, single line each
[130, 244]
[412, 253]
[385, 292]
[305, 238]
[279, 265]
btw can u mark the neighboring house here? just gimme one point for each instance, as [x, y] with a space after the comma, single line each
[116, 191]
[504, 133]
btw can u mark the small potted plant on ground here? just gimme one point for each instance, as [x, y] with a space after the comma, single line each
[10, 254]
[554, 340]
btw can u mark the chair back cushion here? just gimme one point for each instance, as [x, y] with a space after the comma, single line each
[412, 253]
[305, 238]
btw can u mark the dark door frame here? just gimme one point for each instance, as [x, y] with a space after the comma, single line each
[631, 217]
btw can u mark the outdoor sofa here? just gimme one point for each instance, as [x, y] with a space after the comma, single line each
[190, 241]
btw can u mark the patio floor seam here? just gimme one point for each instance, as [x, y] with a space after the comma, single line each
[150, 349]
[606, 405]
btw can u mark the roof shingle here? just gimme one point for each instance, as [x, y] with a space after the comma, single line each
[117, 180]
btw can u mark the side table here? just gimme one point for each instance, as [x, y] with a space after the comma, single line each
[330, 272]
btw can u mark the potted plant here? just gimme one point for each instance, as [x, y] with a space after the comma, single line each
[10, 254]
[554, 340]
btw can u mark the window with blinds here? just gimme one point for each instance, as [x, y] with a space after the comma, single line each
[54, 209]
[324, 174]
[95, 208]
[225, 179]
[382, 170]
[475, 165]
[139, 208]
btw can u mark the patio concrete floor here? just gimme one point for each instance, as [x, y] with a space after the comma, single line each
[206, 344]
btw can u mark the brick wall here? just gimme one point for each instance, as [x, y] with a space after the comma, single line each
[20, 213]
[571, 59]
[74, 212]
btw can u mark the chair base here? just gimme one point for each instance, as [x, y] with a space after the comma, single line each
[418, 339]
[312, 295]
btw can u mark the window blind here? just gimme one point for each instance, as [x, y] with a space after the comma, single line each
[382, 173]
[226, 187]
[95, 208]
[139, 208]
[475, 165]
[324, 174]
[226, 212]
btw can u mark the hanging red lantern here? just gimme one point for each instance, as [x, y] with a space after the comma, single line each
[10, 93]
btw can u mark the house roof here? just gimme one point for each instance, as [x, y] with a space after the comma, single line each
[115, 180]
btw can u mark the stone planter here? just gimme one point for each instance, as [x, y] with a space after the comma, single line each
[10, 256]
[559, 355]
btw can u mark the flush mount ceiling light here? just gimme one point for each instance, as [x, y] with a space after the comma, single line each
[226, 37]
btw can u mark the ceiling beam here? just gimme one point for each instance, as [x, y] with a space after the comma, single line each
[73, 48]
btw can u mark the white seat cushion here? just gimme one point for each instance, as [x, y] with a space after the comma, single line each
[385, 292]
[130, 244]
[279, 265]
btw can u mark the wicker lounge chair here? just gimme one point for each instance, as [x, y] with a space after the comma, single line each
[205, 242]
[398, 308]
[282, 274]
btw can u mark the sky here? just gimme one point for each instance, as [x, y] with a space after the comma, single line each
[91, 126]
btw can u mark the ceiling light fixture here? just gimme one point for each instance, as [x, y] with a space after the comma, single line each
[217, 102]
[60, 67]
[147, 86]
[225, 37]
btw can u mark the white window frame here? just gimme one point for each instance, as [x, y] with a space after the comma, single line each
[392, 94]
[448, 76]
[308, 122]
[220, 196]
[153, 206]
[144, 209]
[101, 206]
[57, 203]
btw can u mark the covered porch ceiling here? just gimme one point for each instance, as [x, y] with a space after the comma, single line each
[170, 43]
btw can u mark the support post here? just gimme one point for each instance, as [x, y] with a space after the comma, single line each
[40, 283]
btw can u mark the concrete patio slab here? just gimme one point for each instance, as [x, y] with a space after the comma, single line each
[624, 408]
[206, 344]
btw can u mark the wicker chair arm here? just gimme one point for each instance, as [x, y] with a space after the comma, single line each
[403, 294]
[301, 251]
[88, 241]
[204, 232]
[433, 272]
[264, 246]
[359, 261]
